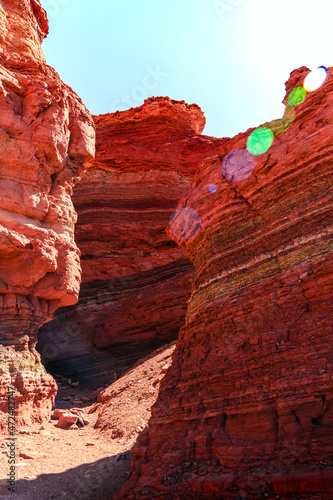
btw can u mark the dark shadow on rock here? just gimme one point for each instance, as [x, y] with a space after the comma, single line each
[90, 481]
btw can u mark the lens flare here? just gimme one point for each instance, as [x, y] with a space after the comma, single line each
[238, 165]
[296, 96]
[185, 223]
[289, 116]
[283, 124]
[260, 140]
[315, 79]
[212, 188]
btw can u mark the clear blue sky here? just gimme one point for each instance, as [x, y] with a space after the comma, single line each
[231, 57]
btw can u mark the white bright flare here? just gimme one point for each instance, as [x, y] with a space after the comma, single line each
[315, 79]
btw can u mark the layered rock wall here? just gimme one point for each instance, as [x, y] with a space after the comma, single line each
[247, 406]
[46, 138]
[136, 281]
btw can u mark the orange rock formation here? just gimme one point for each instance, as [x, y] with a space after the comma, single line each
[135, 280]
[47, 137]
[247, 406]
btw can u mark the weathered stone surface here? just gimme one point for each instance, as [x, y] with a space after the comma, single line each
[66, 420]
[136, 281]
[125, 406]
[46, 139]
[57, 412]
[247, 405]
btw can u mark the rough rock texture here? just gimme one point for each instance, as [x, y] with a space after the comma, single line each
[46, 138]
[136, 281]
[247, 405]
[125, 406]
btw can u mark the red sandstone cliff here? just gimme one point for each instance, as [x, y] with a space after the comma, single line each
[247, 405]
[46, 138]
[136, 281]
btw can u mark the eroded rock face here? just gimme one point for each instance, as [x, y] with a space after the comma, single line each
[247, 405]
[46, 138]
[125, 406]
[136, 281]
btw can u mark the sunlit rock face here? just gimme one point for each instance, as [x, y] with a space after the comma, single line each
[247, 405]
[47, 137]
[136, 281]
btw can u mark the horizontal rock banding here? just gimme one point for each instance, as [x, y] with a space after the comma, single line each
[136, 280]
[246, 406]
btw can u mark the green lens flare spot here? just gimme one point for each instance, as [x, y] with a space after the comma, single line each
[260, 140]
[297, 96]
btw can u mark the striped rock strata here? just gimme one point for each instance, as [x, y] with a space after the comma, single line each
[46, 138]
[136, 281]
[247, 406]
